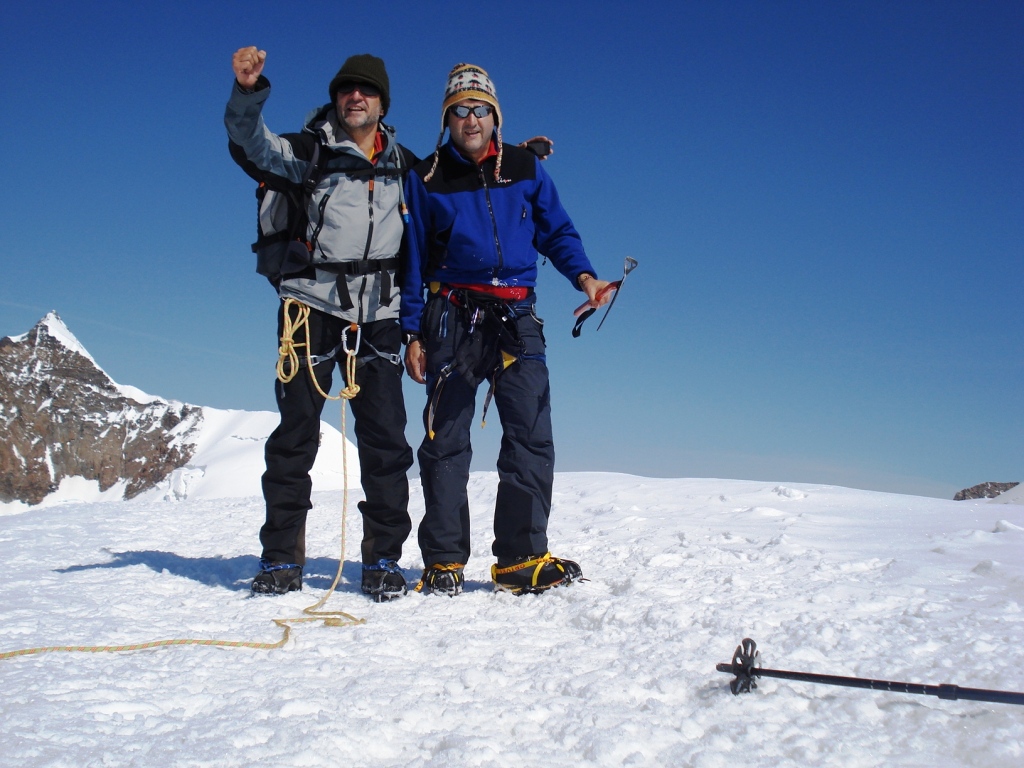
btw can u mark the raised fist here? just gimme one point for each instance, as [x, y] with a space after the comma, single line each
[248, 65]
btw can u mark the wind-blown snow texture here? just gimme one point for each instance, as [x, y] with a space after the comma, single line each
[616, 671]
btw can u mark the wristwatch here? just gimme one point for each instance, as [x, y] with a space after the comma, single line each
[409, 338]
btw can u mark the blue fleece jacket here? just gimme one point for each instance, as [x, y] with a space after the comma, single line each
[468, 228]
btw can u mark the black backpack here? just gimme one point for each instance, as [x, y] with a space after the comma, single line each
[282, 217]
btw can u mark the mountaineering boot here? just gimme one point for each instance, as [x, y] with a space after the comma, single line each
[277, 578]
[532, 574]
[442, 579]
[383, 581]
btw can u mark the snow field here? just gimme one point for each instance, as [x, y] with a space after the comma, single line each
[619, 670]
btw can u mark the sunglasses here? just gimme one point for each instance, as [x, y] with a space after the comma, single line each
[481, 111]
[364, 88]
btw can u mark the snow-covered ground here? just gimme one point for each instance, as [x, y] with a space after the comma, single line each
[617, 671]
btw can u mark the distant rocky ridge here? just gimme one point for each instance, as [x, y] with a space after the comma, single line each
[983, 491]
[62, 416]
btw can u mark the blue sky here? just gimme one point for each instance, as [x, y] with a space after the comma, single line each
[826, 201]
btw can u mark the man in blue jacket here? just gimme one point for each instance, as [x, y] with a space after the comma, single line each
[480, 211]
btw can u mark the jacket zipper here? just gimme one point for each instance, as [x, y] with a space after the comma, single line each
[366, 250]
[494, 227]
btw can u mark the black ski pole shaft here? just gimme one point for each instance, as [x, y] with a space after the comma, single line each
[745, 666]
[943, 691]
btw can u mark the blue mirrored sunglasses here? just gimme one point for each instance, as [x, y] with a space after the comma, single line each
[481, 111]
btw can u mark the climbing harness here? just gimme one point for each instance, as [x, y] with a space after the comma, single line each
[288, 365]
[476, 357]
[586, 309]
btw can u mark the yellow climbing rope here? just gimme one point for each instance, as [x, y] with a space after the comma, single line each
[288, 356]
[287, 368]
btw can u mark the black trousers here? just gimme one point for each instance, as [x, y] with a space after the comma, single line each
[526, 459]
[384, 454]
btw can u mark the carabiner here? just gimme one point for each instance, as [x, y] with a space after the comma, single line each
[344, 339]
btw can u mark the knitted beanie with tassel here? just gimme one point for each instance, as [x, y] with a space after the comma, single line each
[468, 81]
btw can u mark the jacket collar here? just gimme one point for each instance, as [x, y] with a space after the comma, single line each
[492, 151]
[324, 121]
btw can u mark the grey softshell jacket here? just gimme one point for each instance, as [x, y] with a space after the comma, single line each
[351, 217]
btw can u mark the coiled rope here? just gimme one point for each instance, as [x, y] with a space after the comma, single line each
[287, 368]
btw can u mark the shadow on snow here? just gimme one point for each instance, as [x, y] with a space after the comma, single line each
[234, 573]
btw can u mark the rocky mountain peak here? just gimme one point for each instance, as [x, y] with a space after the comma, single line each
[983, 491]
[63, 416]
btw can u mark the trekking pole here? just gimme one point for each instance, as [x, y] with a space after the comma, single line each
[746, 665]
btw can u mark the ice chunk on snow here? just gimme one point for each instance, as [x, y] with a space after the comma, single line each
[788, 493]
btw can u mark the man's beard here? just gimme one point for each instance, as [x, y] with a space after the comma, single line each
[356, 120]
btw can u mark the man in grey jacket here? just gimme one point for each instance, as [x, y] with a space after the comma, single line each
[347, 285]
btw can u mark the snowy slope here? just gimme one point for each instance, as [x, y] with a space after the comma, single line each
[616, 671]
[228, 461]
[1013, 496]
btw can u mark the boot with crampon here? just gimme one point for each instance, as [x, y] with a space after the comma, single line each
[532, 574]
[277, 578]
[383, 581]
[442, 579]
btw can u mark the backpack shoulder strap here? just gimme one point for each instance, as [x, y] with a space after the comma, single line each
[409, 159]
[315, 170]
